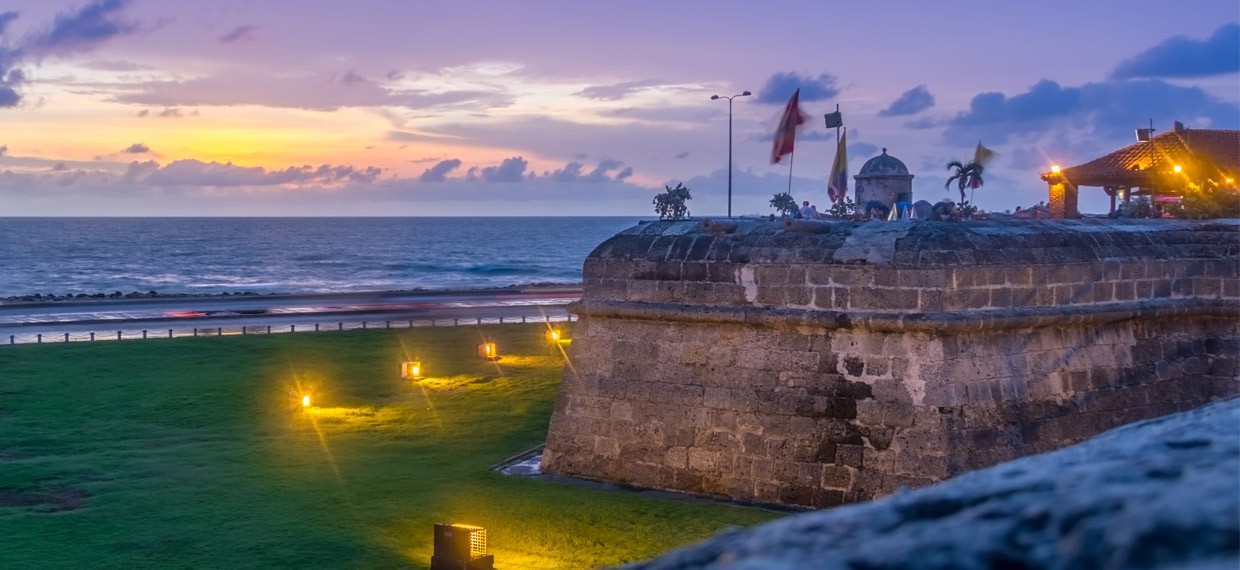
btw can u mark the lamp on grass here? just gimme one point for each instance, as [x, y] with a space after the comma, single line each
[411, 369]
[487, 350]
[461, 547]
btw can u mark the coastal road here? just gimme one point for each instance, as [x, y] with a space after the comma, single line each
[23, 322]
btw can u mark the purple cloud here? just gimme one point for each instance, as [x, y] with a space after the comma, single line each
[192, 172]
[439, 172]
[1182, 56]
[616, 91]
[4, 149]
[6, 18]
[911, 102]
[83, 30]
[1109, 109]
[238, 34]
[780, 86]
[351, 78]
[69, 33]
[602, 172]
[861, 149]
[599, 174]
[319, 93]
[115, 66]
[136, 148]
[570, 173]
[510, 170]
[171, 112]
[10, 78]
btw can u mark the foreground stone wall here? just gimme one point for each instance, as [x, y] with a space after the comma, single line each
[844, 361]
[1157, 494]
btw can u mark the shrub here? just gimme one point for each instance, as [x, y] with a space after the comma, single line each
[785, 204]
[670, 205]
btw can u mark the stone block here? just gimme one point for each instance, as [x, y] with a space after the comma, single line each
[891, 390]
[702, 460]
[964, 299]
[850, 276]
[836, 477]
[880, 437]
[849, 455]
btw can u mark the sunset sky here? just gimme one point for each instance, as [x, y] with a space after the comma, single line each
[373, 107]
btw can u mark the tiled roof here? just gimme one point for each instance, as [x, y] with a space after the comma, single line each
[1217, 151]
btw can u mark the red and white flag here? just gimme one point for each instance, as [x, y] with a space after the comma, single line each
[786, 134]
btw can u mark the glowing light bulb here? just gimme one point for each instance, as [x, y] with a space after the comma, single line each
[1055, 168]
[1177, 168]
[305, 401]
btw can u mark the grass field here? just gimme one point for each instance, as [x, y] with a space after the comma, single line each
[194, 453]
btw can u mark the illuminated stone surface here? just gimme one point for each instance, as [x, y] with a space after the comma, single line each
[818, 369]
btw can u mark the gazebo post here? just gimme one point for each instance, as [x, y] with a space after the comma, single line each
[1063, 199]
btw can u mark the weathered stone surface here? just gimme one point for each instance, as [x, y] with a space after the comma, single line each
[883, 355]
[1157, 494]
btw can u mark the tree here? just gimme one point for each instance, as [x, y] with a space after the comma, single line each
[965, 176]
[785, 204]
[670, 205]
[1207, 201]
[844, 208]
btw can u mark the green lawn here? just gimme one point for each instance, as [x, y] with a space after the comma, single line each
[192, 453]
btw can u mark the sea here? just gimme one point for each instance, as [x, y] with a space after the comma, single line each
[70, 256]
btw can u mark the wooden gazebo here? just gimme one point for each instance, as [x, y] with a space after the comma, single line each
[1167, 165]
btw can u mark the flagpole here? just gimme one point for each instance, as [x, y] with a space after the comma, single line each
[837, 150]
[837, 129]
[791, 156]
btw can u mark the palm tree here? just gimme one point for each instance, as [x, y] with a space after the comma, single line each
[965, 176]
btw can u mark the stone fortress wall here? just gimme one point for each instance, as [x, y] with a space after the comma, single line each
[843, 361]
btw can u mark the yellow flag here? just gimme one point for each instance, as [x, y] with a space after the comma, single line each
[982, 155]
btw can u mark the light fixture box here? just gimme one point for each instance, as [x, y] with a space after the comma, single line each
[411, 369]
[488, 351]
[461, 547]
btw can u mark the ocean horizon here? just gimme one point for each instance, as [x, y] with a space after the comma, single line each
[293, 255]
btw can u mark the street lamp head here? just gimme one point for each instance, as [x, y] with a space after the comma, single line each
[745, 93]
[714, 97]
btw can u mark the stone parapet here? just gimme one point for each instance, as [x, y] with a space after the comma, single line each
[815, 368]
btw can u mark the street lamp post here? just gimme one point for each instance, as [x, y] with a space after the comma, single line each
[715, 98]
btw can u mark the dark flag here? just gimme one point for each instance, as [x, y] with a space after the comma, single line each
[834, 120]
[786, 135]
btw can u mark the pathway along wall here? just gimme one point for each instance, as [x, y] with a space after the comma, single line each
[822, 368]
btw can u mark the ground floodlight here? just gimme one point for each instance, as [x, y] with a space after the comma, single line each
[411, 369]
[487, 350]
[461, 547]
[305, 401]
